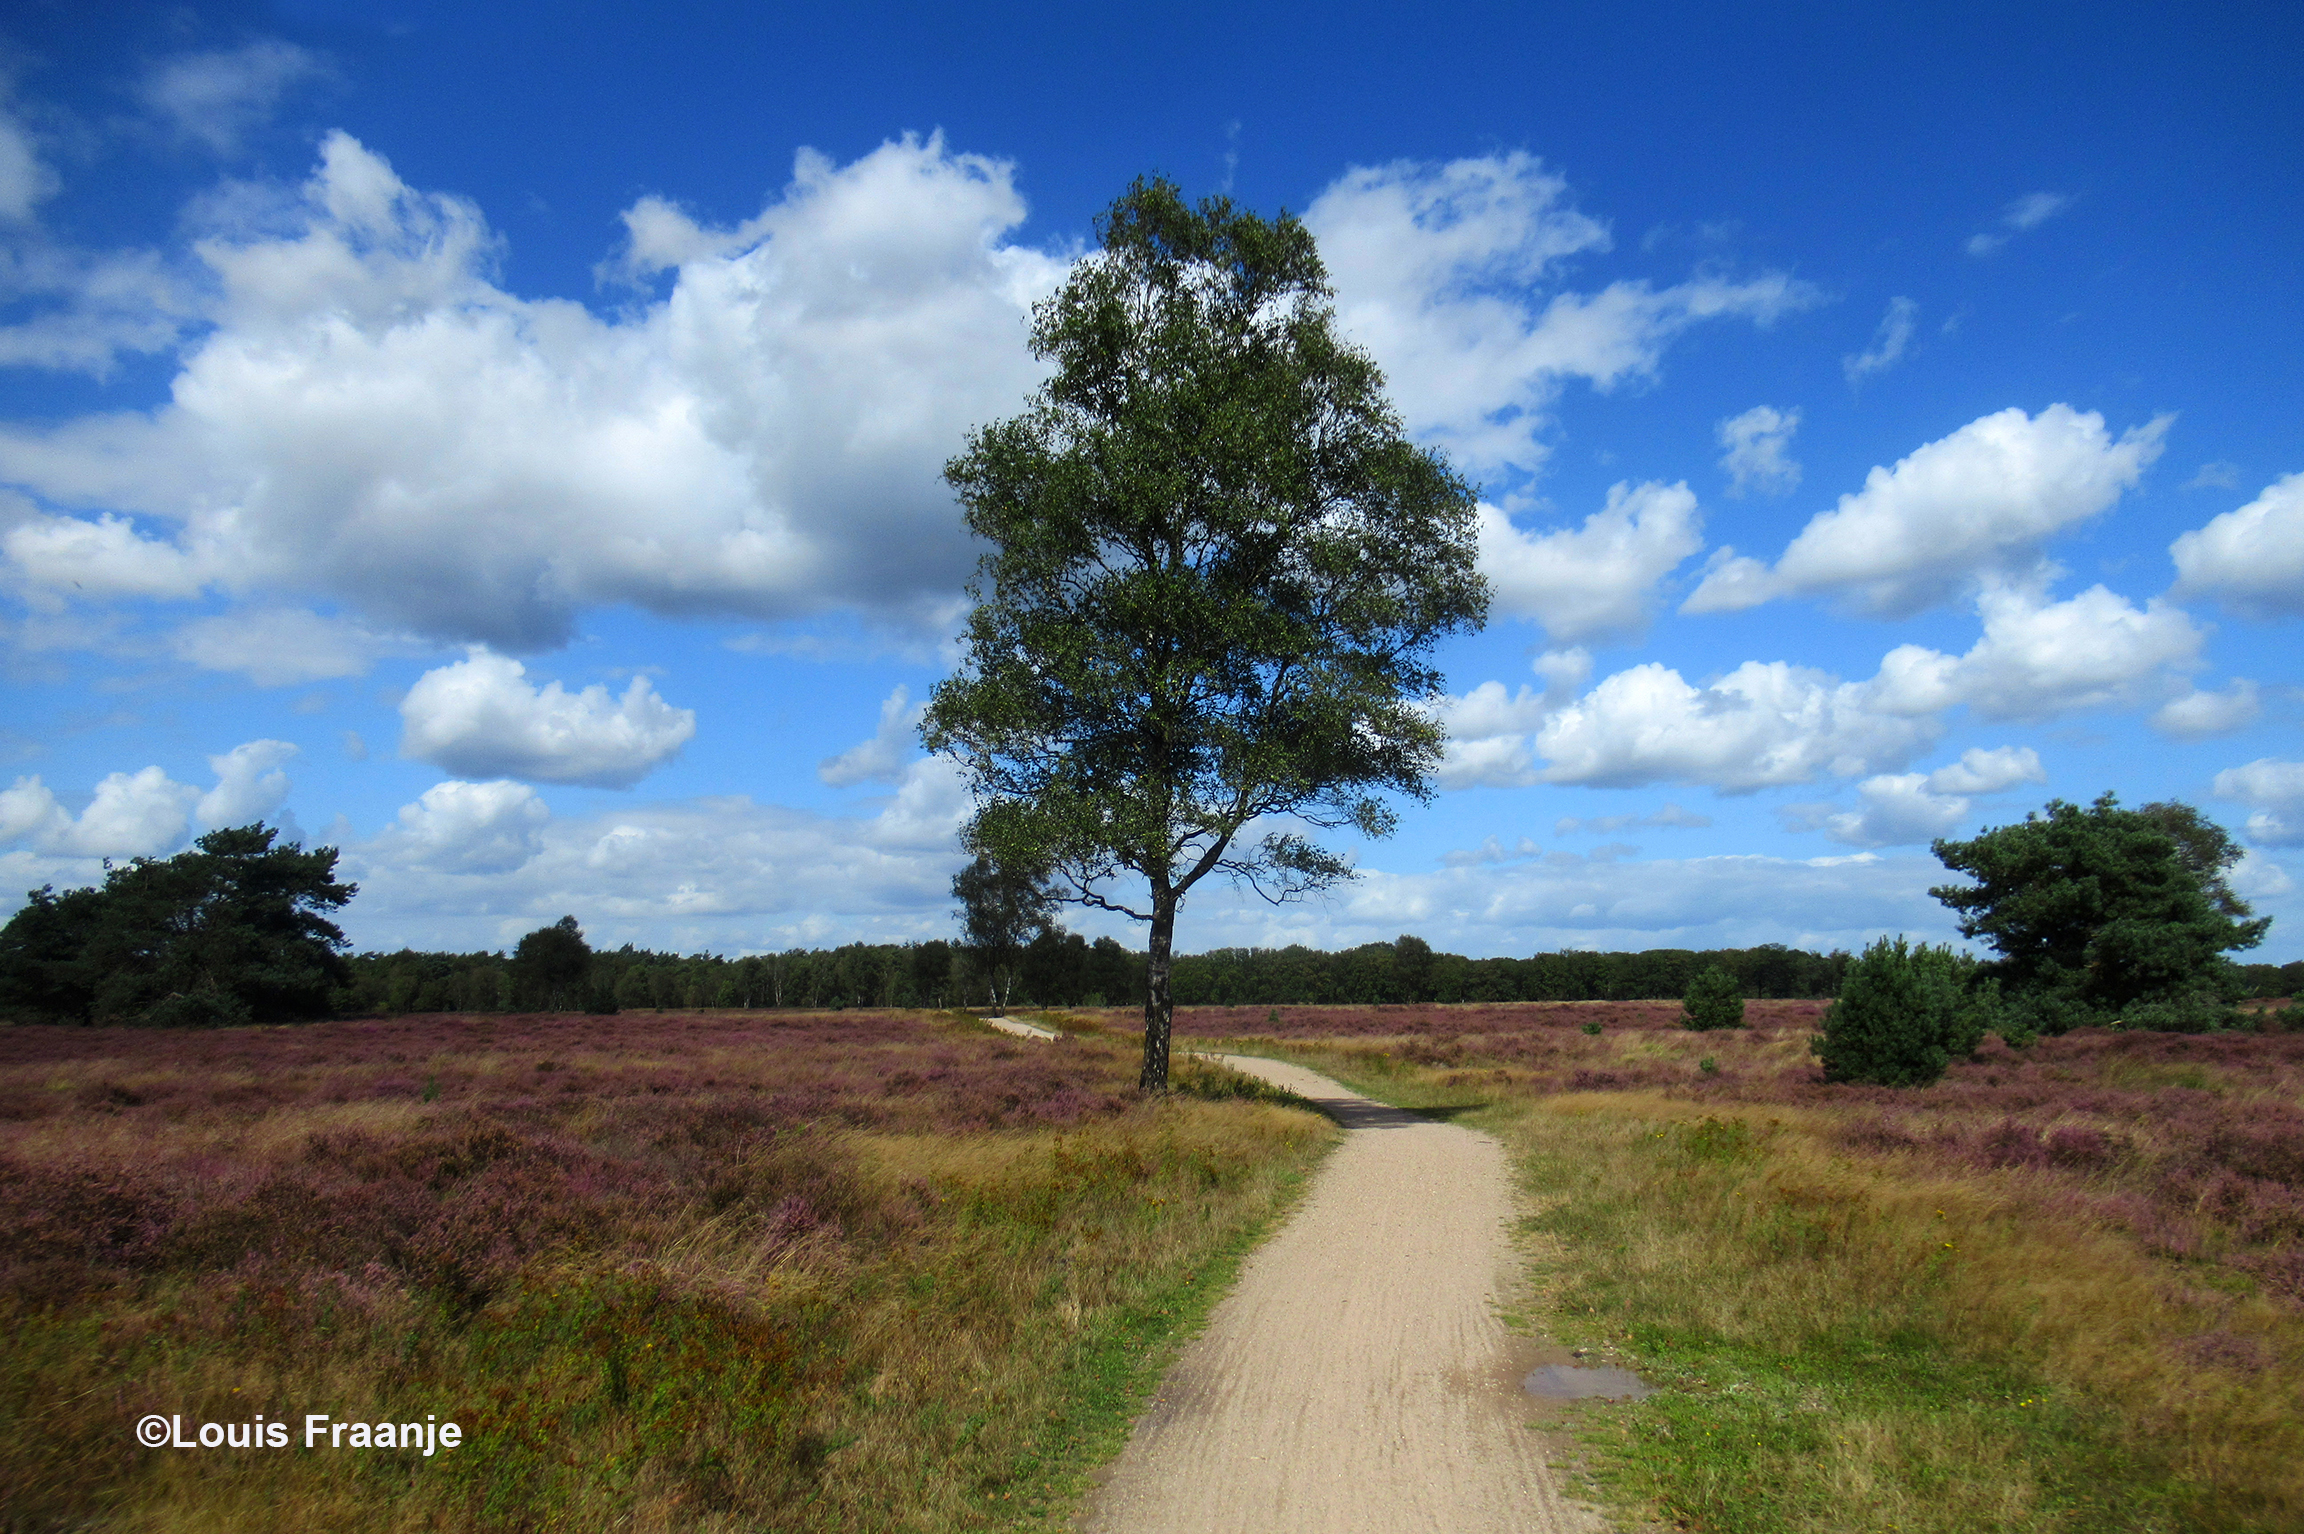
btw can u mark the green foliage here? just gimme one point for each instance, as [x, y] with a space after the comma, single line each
[1064, 969]
[2104, 914]
[1217, 570]
[1903, 1015]
[228, 932]
[1712, 1000]
[551, 964]
[1592, 1029]
[1004, 908]
[1372, 973]
[2197, 1011]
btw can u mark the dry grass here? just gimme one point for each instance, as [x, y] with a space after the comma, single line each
[2050, 1293]
[832, 1272]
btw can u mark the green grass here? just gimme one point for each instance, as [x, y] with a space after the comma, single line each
[1105, 1380]
[1821, 1361]
[1872, 1419]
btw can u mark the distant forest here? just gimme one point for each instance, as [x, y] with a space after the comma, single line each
[1065, 970]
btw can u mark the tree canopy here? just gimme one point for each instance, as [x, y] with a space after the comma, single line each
[228, 932]
[2104, 914]
[551, 965]
[1216, 571]
[1003, 910]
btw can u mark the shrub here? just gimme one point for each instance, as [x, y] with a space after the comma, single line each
[1713, 1001]
[2202, 1011]
[1903, 1015]
[198, 1009]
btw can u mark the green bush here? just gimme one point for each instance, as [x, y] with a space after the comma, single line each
[198, 1009]
[2200, 1011]
[1904, 1014]
[1713, 1001]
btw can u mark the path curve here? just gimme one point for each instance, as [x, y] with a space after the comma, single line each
[1357, 1379]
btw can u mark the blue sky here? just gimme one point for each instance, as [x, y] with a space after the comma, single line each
[504, 441]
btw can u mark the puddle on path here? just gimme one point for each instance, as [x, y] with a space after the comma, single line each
[1569, 1382]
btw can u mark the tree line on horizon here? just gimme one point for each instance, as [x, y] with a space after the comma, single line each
[1063, 969]
[235, 931]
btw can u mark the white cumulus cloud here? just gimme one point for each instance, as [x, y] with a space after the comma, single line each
[1982, 771]
[1906, 808]
[1488, 727]
[133, 814]
[102, 556]
[1598, 580]
[2251, 559]
[1771, 723]
[1981, 500]
[29, 813]
[2275, 791]
[2198, 715]
[467, 828]
[370, 420]
[1894, 810]
[1762, 725]
[250, 785]
[1449, 275]
[2037, 658]
[880, 759]
[481, 718]
[723, 873]
[2257, 877]
[1758, 456]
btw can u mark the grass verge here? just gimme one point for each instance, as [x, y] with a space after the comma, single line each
[1856, 1340]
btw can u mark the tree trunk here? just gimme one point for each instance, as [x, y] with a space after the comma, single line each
[1159, 1003]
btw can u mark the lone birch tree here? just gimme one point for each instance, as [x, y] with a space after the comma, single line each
[1217, 569]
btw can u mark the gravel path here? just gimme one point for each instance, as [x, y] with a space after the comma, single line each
[1356, 1380]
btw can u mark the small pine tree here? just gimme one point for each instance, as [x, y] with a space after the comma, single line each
[1714, 1000]
[1903, 1015]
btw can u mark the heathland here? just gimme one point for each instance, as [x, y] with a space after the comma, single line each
[817, 1270]
[2061, 1289]
[882, 1270]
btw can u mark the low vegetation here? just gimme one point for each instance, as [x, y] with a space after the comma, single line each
[2061, 1289]
[801, 1271]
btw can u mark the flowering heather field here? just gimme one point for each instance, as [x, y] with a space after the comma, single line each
[2105, 1228]
[1491, 1029]
[670, 1271]
[2193, 1143]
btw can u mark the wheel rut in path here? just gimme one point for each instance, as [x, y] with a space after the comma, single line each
[1357, 1380]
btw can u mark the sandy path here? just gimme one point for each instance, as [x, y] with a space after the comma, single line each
[1022, 1030]
[1356, 1381]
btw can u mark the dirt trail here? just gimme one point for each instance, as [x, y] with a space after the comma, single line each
[1357, 1380]
[1022, 1030]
